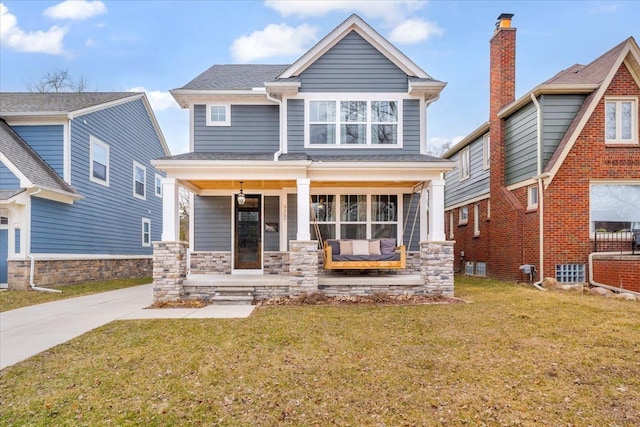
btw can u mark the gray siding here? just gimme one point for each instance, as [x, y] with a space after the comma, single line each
[212, 223]
[254, 128]
[272, 216]
[410, 133]
[292, 218]
[521, 145]
[47, 141]
[558, 111]
[108, 220]
[410, 209]
[476, 185]
[7, 179]
[353, 65]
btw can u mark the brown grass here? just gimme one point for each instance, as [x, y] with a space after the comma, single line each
[514, 356]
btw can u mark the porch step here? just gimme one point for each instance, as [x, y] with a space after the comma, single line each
[228, 295]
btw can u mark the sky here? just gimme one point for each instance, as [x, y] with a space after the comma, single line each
[156, 46]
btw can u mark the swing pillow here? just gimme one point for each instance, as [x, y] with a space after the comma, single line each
[387, 246]
[346, 247]
[360, 247]
[374, 247]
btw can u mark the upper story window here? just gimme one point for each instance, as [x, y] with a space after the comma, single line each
[158, 185]
[486, 151]
[139, 180]
[218, 115]
[99, 161]
[353, 122]
[464, 164]
[621, 120]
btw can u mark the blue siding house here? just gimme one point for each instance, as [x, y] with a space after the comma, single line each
[79, 196]
[284, 157]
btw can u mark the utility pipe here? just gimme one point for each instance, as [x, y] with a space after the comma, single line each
[277, 154]
[601, 285]
[540, 191]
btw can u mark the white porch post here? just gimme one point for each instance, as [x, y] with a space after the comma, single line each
[170, 218]
[436, 211]
[424, 214]
[303, 209]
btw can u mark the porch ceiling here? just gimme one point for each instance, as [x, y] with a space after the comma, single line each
[280, 184]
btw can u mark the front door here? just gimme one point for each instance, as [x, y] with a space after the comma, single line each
[248, 234]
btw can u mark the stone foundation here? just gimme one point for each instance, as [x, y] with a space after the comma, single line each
[303, 266]
[276, 263]
[210, 262]
[437, 267]
[48, 272]
[169, 270]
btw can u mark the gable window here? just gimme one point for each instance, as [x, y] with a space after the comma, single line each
[486, 151]
[353, 122]
[621, 120]
[146, 232]
[464, 164]
[532, 197]
[463, 215]
[158, 186]
[476, 219]
[614, 207]
[99, 161]
[139, 180]
[218, 115]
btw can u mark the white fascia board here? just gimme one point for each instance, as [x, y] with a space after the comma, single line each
[429, 90]
[220, 169]
[155, 124]
[88, 110]
[55, 195]
[548, 89]
[187, 97]
[384, 165]
[354, 22]
[475, 134]
[379, 171]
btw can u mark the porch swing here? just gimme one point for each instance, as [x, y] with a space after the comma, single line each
[395, 258]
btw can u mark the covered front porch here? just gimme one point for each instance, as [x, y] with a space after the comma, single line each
[262, 222]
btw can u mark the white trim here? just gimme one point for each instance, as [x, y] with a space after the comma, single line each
[148, 222]
[227, 114]
[24, 181]
[618, 100]
[526, 183]
[95, 141]
[486, 151]
[66, 152]
[468, 202]
[531, 190]
[143, 196]
[465, 154]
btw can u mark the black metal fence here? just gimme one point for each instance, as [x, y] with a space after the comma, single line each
[623, 241]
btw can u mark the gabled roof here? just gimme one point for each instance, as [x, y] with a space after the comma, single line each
[27, 163]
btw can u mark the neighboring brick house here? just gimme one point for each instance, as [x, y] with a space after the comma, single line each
[550, 172]
[78, 193]
[341, 133]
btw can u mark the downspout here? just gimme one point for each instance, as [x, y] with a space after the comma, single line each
[540, 177]
[277, 154]
[611, 288]
[33, 266]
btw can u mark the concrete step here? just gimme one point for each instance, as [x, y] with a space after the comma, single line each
[232, 300]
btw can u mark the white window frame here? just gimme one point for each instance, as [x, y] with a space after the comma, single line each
[339, 97]
[618, 100]
[532, 197]
[464, 163]
[476, 219]
[463, 219]
[486, 151]
[227, 110]
[146, 221]
[158, 185]
[144, 186]
[93, 141]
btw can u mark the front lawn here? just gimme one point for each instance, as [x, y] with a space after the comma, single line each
[10, 300]
[513, 356]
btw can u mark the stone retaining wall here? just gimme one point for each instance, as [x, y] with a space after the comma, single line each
[50, 272]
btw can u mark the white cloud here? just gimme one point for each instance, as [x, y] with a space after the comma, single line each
[159, 100]
[387, 9]
[414, 31]
[274, 40]
[13, 37]
[76, 9]
[90, 42]
[605, 8]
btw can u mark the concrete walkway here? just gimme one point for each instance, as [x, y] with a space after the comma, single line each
[28, 331]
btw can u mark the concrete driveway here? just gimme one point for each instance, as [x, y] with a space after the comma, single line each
[28, 331]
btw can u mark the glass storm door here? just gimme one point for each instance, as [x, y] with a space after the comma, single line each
[248, 234]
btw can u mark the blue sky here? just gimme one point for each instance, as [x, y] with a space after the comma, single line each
[156, 46]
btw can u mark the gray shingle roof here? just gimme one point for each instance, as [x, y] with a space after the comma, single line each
[58, 102]
[235, 77]
[347, 158]
[29, 162]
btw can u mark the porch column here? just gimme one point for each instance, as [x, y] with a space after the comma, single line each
[424, 213]
[436, 211]
[170, 218]
[303, 209]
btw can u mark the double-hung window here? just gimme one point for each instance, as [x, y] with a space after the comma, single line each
[353, 122]
[99, 161]
[139, 180]
[158, 187]
[146, 232]
[621, 120]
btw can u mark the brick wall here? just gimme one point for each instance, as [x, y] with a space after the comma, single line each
[476, 248]
[618, 271]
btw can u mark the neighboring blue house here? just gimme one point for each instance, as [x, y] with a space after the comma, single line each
[283, 157]
[78, 193]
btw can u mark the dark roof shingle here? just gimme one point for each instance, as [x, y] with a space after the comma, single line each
[235, 77]
[56, 102]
